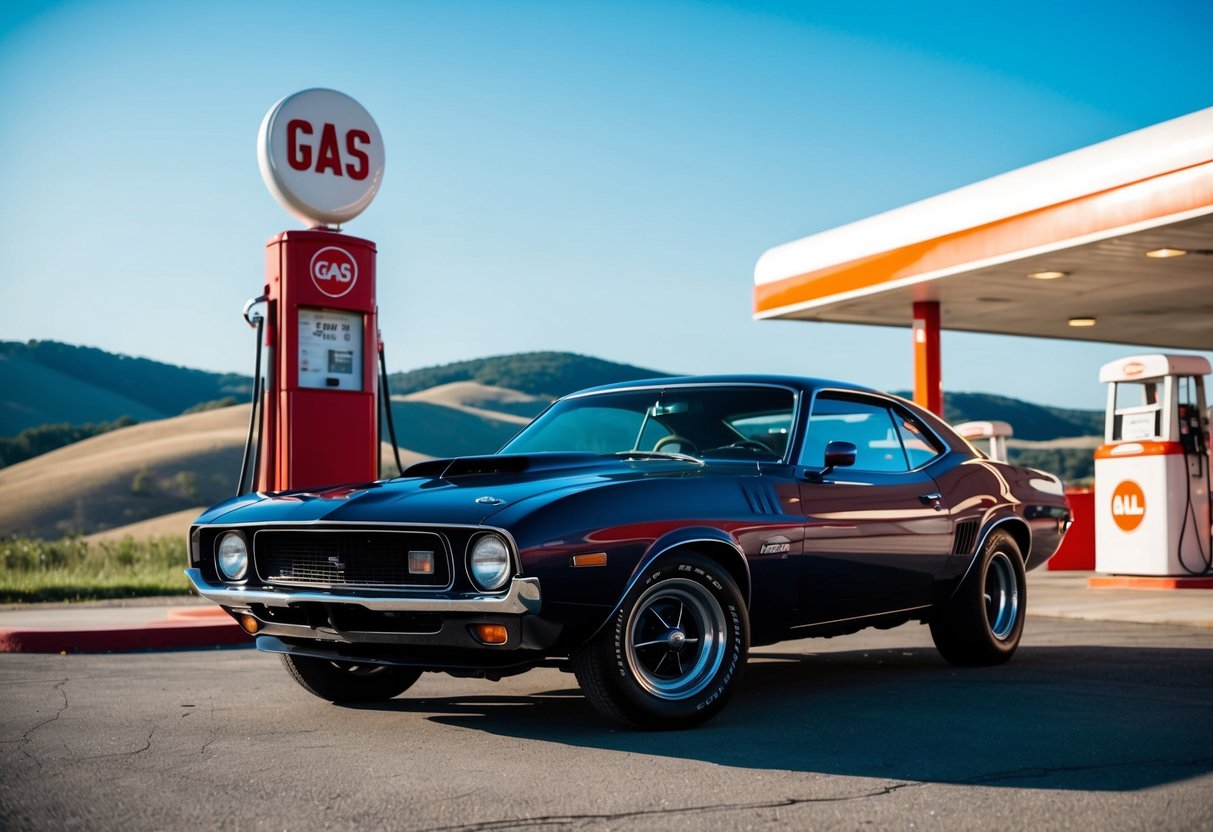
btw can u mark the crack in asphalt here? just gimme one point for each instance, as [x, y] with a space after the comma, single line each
[216, 733]
[26, 739]
[578, 819]
[146, 745]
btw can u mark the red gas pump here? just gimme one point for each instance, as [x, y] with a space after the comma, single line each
[320, 421]
[316, 416]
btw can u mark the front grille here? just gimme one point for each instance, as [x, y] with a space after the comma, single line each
[330, 557]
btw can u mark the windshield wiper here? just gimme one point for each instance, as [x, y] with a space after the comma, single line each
[658, 455]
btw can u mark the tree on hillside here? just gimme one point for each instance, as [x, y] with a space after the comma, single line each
[32, 442]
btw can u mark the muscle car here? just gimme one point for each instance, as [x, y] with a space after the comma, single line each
[643, 535]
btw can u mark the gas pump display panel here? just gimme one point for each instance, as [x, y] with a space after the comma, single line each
[330, 349]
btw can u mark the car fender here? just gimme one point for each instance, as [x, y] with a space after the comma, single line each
[720, 543]
[1020, 530]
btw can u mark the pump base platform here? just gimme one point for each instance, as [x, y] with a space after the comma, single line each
[1148, 582]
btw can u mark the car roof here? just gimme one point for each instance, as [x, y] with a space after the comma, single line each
[800, 383]
[805, 385]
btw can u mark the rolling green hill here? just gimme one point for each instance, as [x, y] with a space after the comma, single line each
[44, 382]
[1030, 421]
[163, 465]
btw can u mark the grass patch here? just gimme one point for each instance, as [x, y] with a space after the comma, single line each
[73, 569]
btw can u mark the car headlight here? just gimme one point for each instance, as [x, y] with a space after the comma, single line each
[232, 556]
[489, 562]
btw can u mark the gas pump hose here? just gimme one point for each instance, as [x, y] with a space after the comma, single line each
[252, 442]
[387, 407]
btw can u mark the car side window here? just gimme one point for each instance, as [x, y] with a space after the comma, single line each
[869, 426]
[920, 446]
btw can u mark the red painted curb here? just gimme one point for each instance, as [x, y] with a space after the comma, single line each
[1140, 582]
[167, 635]
[207, 613]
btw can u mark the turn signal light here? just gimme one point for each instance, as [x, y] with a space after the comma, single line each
[593, 559]
[250, 624]
[491, 633]
[421, 563]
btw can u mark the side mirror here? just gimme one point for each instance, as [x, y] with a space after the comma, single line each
[839, 455]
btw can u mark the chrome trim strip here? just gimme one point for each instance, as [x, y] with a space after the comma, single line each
[277, 628]
[861, 617]
[522, 598]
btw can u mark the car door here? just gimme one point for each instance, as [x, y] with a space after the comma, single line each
[878, 533]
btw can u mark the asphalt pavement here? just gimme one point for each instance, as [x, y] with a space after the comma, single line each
[189, 622]
[1092, 726]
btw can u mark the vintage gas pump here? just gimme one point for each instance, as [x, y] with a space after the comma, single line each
[321, 156]
[1152, 472]
[991, 437]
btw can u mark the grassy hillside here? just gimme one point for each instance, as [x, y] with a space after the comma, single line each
[45, 382]
[548, 374]
[124, 476]
[439, 431]
[166, 465]
[123, 479]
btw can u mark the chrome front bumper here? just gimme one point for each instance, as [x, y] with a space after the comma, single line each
[521, 598]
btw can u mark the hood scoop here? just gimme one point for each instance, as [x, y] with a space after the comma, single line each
[469, 466]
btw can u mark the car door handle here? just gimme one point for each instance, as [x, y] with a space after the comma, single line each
[934, 500]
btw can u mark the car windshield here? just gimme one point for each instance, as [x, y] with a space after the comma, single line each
[721, 422]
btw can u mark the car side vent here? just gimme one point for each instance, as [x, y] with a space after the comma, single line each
[761, 498]
[966, 536]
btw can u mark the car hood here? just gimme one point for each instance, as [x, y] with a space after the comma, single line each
[462, 491]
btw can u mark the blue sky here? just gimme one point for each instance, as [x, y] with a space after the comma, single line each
[592, 177]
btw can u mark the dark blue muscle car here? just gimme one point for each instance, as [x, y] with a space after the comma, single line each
[643, 535]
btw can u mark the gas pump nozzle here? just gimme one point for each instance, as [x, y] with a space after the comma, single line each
[250, 317]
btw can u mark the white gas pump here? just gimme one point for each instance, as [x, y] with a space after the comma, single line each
[994, 434]
[1152, 472]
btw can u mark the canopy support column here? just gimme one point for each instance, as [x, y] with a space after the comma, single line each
[928, 378]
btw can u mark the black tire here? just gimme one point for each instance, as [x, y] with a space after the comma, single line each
[982, 622]
[674, 652]
[349, 681]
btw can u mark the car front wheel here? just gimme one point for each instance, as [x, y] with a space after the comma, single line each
[674, 652]
[349, 681]
[982, 622]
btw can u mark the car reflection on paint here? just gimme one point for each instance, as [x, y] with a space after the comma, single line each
[642, 535]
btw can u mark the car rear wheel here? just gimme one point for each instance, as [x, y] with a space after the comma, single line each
[674, 652]
[983, 621]
[349, 681]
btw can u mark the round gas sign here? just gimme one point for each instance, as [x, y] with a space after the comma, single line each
[321, 156]
[334, 271]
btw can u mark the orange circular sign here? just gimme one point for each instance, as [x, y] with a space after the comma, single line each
[1128, 505]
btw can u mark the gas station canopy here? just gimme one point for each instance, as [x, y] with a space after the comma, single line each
[1113, 242]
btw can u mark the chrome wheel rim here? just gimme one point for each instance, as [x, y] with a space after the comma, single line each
[675, 639]
[1001, 596]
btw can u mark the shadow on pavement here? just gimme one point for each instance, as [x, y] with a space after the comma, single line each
[1081, 718]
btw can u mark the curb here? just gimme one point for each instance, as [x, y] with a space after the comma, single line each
[183, 629]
